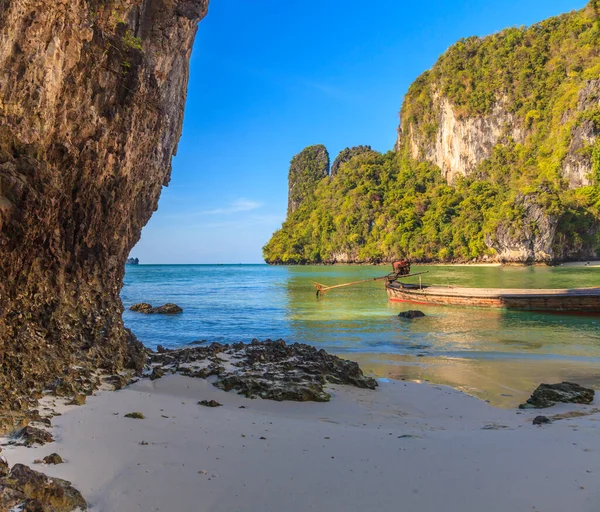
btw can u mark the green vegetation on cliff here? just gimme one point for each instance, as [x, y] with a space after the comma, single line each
[525, 194]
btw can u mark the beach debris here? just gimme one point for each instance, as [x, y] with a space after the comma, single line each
[166, 309]
[411, 314]
[29, 436]
[541, 420]
[144, 443]
[272, 370]
[135, 415]
[210, 403]
[409, 436]
[547, 395]
[494, 426]
[53, 458]
[22, 488]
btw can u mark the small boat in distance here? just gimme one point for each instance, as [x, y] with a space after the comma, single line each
[576, 300]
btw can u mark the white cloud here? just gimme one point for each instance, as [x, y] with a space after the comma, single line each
[237, 206]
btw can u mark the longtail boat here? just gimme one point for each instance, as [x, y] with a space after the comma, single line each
[574, 300]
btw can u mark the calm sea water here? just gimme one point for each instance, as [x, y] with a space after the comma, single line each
[495, 354]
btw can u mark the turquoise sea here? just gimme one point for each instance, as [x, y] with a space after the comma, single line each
[497, 355]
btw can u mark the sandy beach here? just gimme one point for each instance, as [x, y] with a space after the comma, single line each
[408, 446]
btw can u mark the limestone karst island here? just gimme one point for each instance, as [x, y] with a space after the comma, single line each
[405, 314]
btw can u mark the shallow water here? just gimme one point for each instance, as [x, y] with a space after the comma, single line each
[495, 354]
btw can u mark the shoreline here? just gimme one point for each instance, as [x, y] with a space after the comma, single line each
[364, 450]
[582, 263]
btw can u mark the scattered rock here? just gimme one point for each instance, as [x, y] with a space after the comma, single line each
[494, 426]
[144, 443]
[37, 492]
[135, 415]
[413, 313]
[142, 307]
[166, 309]
[547, 395]
[210, 403]
[540, 420]
[29, 436]
[160, 349]
[4, 469]
[53, 458]
[118, 381]
[78, 399]
[157, 373]
[270, 370]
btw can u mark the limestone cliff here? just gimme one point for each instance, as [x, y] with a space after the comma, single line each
[92, 94]
[460, 144]
[307, 168]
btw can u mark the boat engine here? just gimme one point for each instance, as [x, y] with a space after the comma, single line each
[401, 268]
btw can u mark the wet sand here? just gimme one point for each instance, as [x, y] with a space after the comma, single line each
[407, 446]
[505, 382]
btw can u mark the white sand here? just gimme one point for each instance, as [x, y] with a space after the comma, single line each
[345, 455]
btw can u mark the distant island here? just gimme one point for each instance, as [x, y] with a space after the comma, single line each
[133, 261]
[497, 159]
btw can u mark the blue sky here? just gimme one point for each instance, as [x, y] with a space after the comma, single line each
[270, 77]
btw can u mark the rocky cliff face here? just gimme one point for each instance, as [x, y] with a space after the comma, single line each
[529, 238]
[459, 144]
[307, 168]
[92, 94]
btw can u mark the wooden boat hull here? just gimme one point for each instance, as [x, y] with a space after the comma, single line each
[580, 300]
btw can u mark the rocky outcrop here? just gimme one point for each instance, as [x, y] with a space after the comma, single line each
[411, 314]
[346, 155]
[547, 395]
[271, 370]
[577, 165]
[527, 238]
[307, 168]
[460, 144]
[166, 309]
[22, 488]
[91, 106]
